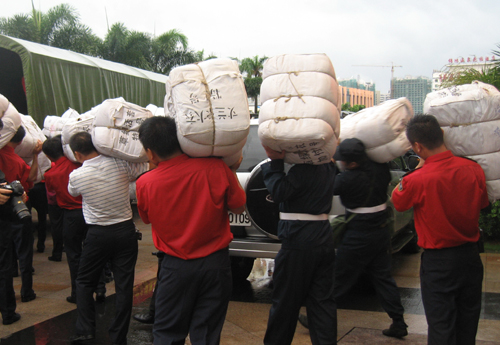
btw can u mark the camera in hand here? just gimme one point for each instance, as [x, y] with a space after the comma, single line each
[16, 199]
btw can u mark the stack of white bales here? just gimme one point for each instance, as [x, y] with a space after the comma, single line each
[115, 129]
[11, 120]
[300, 110]
[30, 140]
[470, 118]
[157, 111]
[53, 125]
[71, 126]
[381, 128]
[209, 103]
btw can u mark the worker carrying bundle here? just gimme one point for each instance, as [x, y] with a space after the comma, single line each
[11, 120]
[210, 105]
[71, 126]
[30, 140]
[115, 129]
[470, 118]
[300, 111]
[381, 129]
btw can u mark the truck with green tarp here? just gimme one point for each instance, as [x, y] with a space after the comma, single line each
[40, 80]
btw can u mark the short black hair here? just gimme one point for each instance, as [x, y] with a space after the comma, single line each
[53, 147]
[81, 142]
[425, 130]
[159, 134]
[19, 136]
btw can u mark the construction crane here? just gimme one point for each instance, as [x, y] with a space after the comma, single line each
[392, 66]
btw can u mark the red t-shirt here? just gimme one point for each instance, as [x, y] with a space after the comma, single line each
[56, 181]
[14, 167]
[446, 194]
[186, 201]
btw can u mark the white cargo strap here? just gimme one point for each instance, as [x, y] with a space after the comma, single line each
[373, 209]
[303, 216]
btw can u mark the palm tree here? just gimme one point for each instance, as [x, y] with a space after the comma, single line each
[170, 50]
[253, 80]
[59, 27]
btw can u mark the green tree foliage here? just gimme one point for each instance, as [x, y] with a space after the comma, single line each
[252, 67]
[490, 221]
[355, 108]
[59, 27]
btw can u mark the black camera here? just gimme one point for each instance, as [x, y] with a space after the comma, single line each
[16, 200]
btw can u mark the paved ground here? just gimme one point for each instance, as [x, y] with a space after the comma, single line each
[49, 319]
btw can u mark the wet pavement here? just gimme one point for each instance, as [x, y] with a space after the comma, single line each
[50, 320]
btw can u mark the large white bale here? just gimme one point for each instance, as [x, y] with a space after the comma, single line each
[210, 105]
[115, 129]
[300, 107]
[4, 104]
[11, 121]
[470, 118]
[381, 129]
[30, 140]
[53, 125]
[83, 123]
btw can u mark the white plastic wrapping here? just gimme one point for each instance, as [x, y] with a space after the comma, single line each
[115, 129]
[210, 105]
[300, 108]
[381, 129]
[11, 121]
[470, 118]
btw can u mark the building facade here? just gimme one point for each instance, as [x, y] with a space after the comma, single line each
[355, 92]
[415, 89]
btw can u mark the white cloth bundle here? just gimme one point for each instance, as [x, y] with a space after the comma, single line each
[11, 121]
[115, 129]
[210, 105]
[52, 125]
[300, 110]
[83, 123]
[156, 111]
[381, 129]
[4, 104]
[470, 118]
[25, 149]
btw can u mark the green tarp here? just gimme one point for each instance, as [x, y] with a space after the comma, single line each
[57, 79]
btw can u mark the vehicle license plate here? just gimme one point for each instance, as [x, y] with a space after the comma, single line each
[239, 219]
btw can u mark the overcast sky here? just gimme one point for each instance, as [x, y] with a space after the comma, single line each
[419, 35]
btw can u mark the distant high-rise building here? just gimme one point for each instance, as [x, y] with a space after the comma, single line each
[415, 89]
[357, 92]
[384, 97]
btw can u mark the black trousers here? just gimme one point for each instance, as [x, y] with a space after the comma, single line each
[152, 303]
[56, 228]
[116, 243]
[38, 200]
[304, 276]
[367, 249]
[451, 283]
[22, 237]
[192, 297]
[74, 233]
[7, 294]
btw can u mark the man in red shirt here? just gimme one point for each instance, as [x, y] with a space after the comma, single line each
[186, 201]
[16, 169]
[447, 194]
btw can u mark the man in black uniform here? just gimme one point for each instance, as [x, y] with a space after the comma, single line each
[304, 270]
[7, 294]
[362, 188]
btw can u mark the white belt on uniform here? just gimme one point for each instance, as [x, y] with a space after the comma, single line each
[303, 216]
[373, 209]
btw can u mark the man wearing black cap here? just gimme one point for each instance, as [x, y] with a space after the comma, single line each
[362, 188]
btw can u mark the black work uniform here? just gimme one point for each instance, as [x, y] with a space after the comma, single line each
[7, 294]
[367, 241]
[304, 265]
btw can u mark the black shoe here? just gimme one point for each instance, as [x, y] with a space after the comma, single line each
[29, 297]
[303, 320]
[145, 318]
[396, 331]
[55, 258]
[16, 317]
[40, 249]
[79, 338]
[71, 299]
[100, 297]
